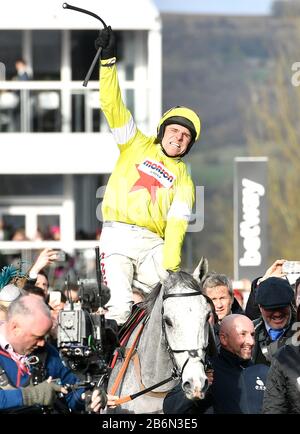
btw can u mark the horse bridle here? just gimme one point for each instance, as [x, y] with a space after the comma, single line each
[177, 373]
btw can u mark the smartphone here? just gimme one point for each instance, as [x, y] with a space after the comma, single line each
[60, 256]
[291, 267]
[54, 297]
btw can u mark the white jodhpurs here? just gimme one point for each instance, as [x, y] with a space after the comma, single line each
[130, 256]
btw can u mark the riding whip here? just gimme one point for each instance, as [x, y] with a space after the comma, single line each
[97, 55]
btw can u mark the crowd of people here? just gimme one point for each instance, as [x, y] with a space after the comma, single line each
[51, 233]
[256, 369]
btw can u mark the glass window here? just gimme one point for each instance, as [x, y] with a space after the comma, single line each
[46, 111]
[86, 115]
[31, 185]
[9, 111]
[87, 203]
[13, 227]
[46, 48]
[48, 227]
[83, 52]
[10, 50]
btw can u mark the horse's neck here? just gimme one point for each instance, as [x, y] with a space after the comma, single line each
[154, 358]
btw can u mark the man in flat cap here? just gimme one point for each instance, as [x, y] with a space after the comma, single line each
[274, 297]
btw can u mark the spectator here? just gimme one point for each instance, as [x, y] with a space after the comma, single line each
[149, 196]
[274, 297]
[238, 385]
[19, 235]
[282, 395]
[42, 281]
[22, 70]
[24, 332]
[37, 275]
[219, 289]
[55, 233]
[39, 236]
[252, 310]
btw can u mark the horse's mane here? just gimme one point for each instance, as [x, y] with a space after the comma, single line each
[150, 298]
[175, 278]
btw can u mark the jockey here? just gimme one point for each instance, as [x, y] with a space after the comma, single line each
[149, 196]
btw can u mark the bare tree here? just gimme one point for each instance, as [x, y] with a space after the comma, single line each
[275, 132]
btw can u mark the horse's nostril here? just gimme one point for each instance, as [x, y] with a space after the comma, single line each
[193, 353]
[186, 385]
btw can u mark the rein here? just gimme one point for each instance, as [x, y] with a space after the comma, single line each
[123, 369]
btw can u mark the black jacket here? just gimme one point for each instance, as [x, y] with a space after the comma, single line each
[264, 349]
[282, 395]
[236, 308]
[237, 388]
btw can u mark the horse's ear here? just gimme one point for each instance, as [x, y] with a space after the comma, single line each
[164, 274]
[201, 270]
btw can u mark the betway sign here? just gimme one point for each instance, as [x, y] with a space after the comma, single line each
[250, 237]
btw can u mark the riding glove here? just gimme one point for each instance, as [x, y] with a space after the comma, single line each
[107, 41]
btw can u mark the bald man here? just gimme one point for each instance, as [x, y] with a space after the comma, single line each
[23, 334]
[238, 385]
[237, 336]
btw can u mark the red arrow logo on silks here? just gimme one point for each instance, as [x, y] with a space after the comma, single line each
[148, 182]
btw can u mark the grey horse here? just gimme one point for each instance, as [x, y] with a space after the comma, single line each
[173, 341]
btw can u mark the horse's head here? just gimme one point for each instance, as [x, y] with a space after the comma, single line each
[185, 314]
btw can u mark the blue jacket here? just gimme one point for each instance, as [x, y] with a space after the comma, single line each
[54, 367]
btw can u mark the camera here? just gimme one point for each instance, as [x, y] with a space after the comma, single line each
[85, 339]
[291, 267]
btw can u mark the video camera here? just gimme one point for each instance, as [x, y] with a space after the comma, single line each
[85, 339]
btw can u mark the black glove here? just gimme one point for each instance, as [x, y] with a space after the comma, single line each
[42, 394]
[107, 41]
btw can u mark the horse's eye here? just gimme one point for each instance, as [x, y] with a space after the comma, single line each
[168, 321]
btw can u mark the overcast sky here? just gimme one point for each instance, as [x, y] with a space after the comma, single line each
[231, 7]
